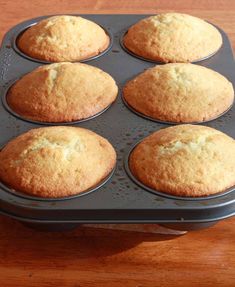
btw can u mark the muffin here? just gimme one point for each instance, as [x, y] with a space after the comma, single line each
[56, 162]
[63, 38]
[180, 92]
[185, 160]
[173, 37]
[62, 92]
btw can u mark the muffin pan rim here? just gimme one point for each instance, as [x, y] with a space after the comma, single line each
[129, 221]
[24, 55]
[164, 194]
[121, 41]
[22, 118]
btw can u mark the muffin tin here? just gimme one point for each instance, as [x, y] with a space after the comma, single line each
[120, 199]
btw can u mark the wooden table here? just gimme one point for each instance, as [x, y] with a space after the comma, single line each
[88, 257]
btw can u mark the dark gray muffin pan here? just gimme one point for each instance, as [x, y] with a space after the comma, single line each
[120, 198]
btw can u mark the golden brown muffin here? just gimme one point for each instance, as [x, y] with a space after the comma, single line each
[62, 92]
[56, 161]
[173, 37]
[185, 160]
[63, 38]
[179, 93]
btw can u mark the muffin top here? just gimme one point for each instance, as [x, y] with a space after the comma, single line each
[173, 37]
[63, 38]
[180, 92]
[62, 92]
[185, 160]
[56, 161]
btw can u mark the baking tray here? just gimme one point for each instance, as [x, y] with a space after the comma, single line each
[120, 200]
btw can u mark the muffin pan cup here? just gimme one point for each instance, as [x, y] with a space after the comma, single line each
[120, 199]
[155, 61]
[35, 198]
[11, 111]
[21, 53]
[164, 194]
[168, 122]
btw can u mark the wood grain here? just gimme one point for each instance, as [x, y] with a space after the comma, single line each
[88, 257]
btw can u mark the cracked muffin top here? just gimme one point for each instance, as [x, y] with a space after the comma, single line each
[173, 37]
[180, 92]
[63, 38]
[56, 162]
[62, 92]
[185, 160]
